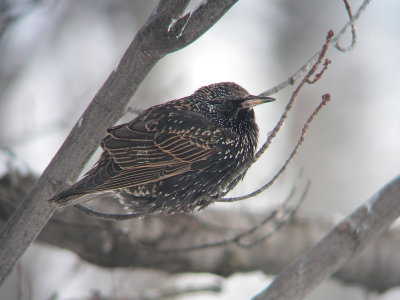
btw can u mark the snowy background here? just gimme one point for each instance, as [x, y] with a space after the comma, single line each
[55, 57]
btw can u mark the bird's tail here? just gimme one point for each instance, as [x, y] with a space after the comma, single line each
[73, 196]
[67, 198]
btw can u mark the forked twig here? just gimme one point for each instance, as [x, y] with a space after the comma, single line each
[320, 73]
[325, 99]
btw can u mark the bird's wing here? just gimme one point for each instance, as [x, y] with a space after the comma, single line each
[165, 145]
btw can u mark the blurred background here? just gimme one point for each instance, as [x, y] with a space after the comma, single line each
[56, 54]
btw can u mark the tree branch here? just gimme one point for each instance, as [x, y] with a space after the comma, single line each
[348, 238]
[139, 243]
[163, 33]
[308, 65]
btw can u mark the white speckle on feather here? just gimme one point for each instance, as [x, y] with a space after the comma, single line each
[80, 122]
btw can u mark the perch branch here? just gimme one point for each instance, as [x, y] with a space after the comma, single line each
[93, 239]
[345, 240]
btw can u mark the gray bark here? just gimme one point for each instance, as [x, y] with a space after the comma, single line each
[344, 241]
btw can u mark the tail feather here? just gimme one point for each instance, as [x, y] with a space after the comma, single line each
[89, 187]
[66, 198]
[71, 197]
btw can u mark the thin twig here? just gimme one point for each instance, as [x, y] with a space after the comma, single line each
[325, 99]
[238, 237]
[353, 31]
[281, 221]
[106, 216]
[292, 99]
[320, 73]
[283, 210]
[304, 69]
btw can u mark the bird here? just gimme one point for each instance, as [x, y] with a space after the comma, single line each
[174, 157]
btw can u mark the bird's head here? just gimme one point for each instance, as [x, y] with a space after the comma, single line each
[228, 103]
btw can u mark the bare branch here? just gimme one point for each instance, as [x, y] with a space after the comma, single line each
[304, 69]
[353, 31]
[280, 216]
[320, 73]
[288, 107]
[348, 238]
[121, 244]
[153, 41]
[288, 215]
[106, 216]
[325, 99]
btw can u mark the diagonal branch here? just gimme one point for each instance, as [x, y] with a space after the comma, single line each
[164, 24]
[348, 238]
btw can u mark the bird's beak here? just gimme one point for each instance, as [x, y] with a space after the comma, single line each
[252, 100]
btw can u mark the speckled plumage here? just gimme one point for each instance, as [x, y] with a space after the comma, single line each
[173, 157]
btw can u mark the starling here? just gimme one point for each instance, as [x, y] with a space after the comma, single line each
[173, 157]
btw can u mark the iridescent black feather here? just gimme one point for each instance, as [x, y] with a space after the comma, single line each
[173, 157]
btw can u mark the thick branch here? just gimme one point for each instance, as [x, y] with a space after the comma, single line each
[112, 245]
[104, 110]
[348, 238]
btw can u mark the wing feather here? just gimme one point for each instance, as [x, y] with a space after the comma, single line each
[146, 151]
